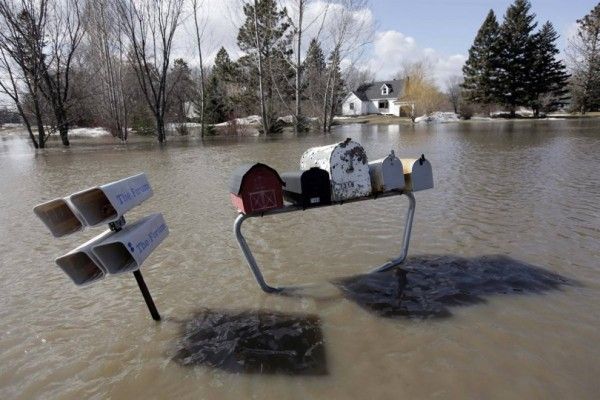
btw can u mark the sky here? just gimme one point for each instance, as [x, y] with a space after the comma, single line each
[439, 30]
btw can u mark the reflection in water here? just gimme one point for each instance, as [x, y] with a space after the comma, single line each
[426, 285]
[253, 342]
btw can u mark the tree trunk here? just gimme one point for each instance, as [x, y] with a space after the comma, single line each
[263, 108]
[39, 121]
[160, 128]
[298, 118]
[202, 106]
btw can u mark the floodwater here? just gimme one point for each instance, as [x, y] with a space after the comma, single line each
[499, 298]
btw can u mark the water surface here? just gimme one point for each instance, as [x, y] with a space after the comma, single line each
[506, 249]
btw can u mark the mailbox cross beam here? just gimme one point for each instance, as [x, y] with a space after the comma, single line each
[256, 271]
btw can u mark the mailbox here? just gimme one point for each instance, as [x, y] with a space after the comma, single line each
[387, 174]
[417, 174]
[59, 217]
[126, 250]
[81, 265]
[256, 188]
[347, 166]
[107, 203]
[307, 188]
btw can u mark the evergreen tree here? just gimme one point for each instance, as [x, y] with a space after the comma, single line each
[515, 49]
[584, 54]
[264, 38]
[314, 78]
[480, 69]
[217, 109]
[549, 77]
[224, 68]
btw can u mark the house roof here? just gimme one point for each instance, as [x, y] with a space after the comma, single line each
[372, 91]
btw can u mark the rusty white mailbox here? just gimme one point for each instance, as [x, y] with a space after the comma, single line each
[386, 174]
[347, 165]
[417, 174]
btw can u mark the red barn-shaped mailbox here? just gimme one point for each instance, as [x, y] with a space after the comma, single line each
[256, 188]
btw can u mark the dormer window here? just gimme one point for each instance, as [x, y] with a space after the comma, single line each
[385, 90]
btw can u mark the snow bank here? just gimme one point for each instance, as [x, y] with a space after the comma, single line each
[438, 117]
[89, 132]
[249, 120]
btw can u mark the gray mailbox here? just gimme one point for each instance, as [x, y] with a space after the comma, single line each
[347, 166]
[417, 174]
[386, 174]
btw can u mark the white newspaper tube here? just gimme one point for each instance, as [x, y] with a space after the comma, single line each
[126, 250]
[107, 203]
[81, 265]
[59, 217]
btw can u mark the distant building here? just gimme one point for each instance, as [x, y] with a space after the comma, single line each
[377, 98]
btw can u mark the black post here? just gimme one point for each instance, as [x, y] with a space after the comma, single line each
[144, 289]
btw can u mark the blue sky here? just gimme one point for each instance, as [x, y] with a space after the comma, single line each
[449, 26]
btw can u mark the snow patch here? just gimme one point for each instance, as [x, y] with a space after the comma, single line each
[89, 132]
[249, 120]
[438, 117]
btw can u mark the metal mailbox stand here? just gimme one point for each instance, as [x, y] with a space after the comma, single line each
[237, 229]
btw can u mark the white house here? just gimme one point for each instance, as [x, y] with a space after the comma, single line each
[376, 98]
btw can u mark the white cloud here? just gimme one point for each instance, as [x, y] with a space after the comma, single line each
[393, 49]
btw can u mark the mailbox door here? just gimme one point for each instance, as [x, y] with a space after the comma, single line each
[349, 172]
[316, 187]
[261, 191]
[393, 174]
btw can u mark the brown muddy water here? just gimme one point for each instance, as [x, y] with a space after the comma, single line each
[500, 296]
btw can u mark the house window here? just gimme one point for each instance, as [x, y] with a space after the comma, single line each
[351, 106]
[385, 90]
[384, 104]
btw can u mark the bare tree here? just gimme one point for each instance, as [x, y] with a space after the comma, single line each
[419, 88]
[22, 27]
[453, 91]
[300, 25]
[196, 6]
[108, 53]
[584, 62]
[10, 87]
[149, 26]
[347, 35]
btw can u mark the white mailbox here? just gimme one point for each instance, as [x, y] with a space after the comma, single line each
[107, 203]
[347, 165]
[81, 265]
[387, 174]
[417, 174]
[126, 250]
[58, 217]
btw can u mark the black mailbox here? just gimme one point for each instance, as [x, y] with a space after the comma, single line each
[307, 188]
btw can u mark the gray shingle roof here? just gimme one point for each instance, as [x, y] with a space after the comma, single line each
[372, 91]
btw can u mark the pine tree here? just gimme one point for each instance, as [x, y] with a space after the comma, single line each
[515, 49]
[314, 77]
[480, 69]
[224, 68]
[264, 38]
[217, 109]
[549, 77]
[584, 53]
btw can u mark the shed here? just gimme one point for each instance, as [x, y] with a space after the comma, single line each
[256, 188]
[347, 165]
